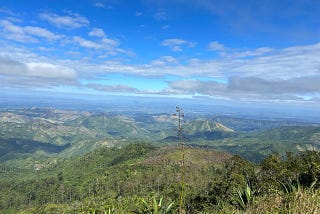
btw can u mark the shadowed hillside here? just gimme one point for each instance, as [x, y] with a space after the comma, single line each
[72, 133]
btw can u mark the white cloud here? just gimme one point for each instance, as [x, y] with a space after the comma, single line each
[7, 11]
[113, 88]
[176, 48]
[20, 68]
[263, 73]
[249, 53]
[171, 42]
[237, 53]
[71, 21]
[170, 59]
[26, 33]
[138, 13]
[75, 54]
[47, 70]
[165, 27]
[176, 44]
[41, 32]
[192, 87]
[301, 85]
[31, 75]
[11, 67]
[249, 88]
[160, 15]
[120, 88]
[185, 86]
[109, 42]
[99, 4]
[282, 64]
[14, 32]
[216, 46]
[104, 47]
[164, 61]
[87, 43]
[103, 44]
[35, 69]
[283, 74]
[97, 32]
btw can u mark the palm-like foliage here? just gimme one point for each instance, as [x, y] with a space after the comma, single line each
[245, 197]
[155, 206]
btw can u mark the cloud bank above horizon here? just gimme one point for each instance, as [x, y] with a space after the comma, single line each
[148, 50]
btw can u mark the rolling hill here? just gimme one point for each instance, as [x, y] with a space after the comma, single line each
[70, 133]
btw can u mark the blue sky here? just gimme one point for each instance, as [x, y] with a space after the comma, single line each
[265, 51]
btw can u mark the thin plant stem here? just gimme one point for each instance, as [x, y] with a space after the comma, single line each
[180, 134]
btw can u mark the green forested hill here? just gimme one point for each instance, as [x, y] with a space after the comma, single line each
[257, 145]
[141, 178]
[52, 132]
[245, 124]
[9, 148]
[110, 175]
[75, 133]
[54, 161]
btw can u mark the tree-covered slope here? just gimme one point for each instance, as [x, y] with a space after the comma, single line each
[141, 178]
[71, 133]
[107, 174]
[257, 145]
[76, 133]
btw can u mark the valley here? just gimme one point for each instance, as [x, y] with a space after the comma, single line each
[71, 161]
[65, 133]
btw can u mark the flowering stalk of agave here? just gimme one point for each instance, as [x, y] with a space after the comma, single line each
[180, 114]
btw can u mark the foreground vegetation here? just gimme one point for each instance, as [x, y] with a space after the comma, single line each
[142, 178]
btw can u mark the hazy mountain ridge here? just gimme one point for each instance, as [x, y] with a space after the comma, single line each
[78, 132]
[258, 144]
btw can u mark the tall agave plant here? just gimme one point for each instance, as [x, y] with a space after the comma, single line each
[245, 197]
[155, 206]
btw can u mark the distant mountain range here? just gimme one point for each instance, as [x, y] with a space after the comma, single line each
[68, 133]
